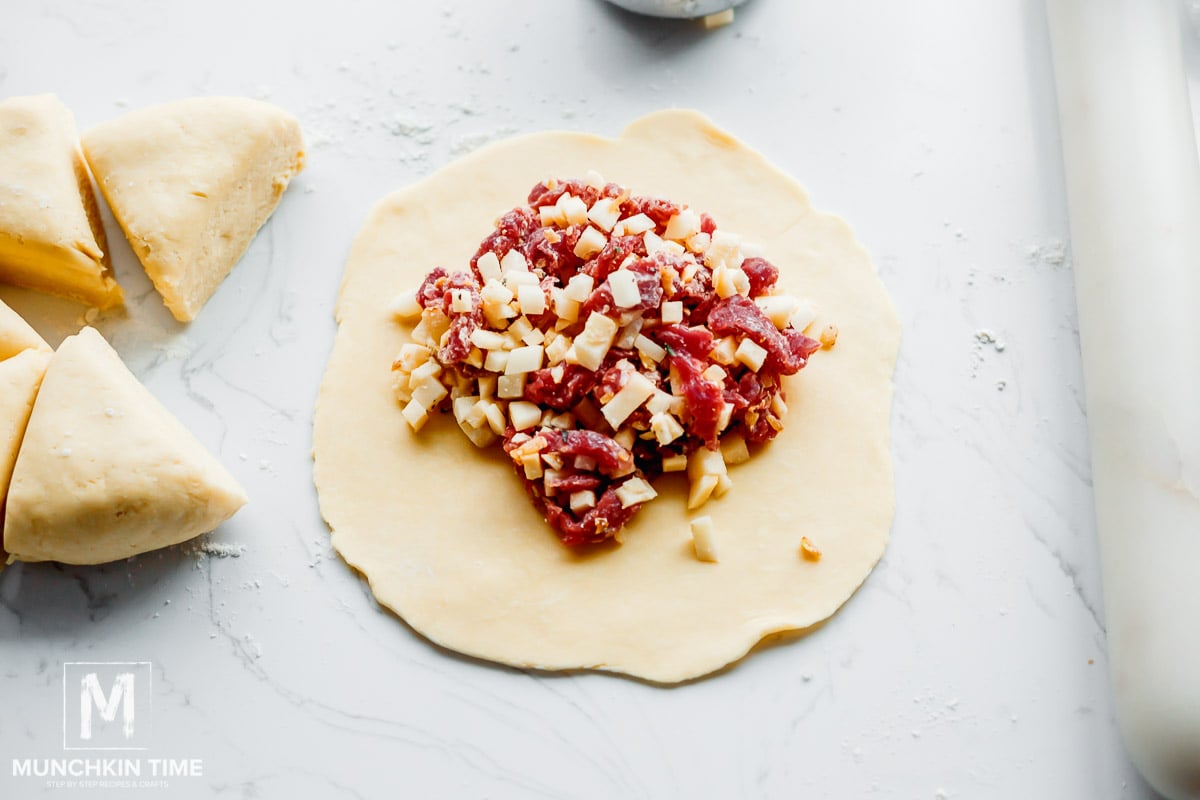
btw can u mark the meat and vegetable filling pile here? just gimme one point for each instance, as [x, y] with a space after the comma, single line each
[604, 339]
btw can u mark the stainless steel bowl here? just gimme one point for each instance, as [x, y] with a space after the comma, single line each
[681, 9]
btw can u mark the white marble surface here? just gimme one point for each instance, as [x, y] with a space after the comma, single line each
[970, 665]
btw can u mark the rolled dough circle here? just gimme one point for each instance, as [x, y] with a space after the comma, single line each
[444, 533]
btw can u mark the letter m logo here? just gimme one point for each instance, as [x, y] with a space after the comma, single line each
[111, 705]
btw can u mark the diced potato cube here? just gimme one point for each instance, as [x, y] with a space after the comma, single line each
[590, 242]
[714, 373]
[829, 336]
[700, 490]
[636, 391]
[552, 216]
[429, 393]
[556, 351]
[594, 179]
[665, 427]
[672, 312]
[532, 465]
[724, 248]
[532, 299]
[724, 351]
[805, 315]
[592, 344]
[565, 307]
[415, 414]
[624, 286]
[604, 213]
[734, 449]
[524, 415]
[683, 225]
[496, 293]
[579, 288]
[704, 539]
[533, 336]
[638, 223]
[751, 354]
[583, 500]
[495, 416]
[705, 469]
[575, 210]
[518, 329]
[778, 308]
[585, 463]
[654, 243]
[808, 550]
[698, 243]
[489, 267]
[513, 261]
[511, 387]
[524, 359]
[675, 463]
[487, 340]
[496, 360]
[460, 301]
[649, 348]
[406, 307]
[462, 407]
[635, 490]
[487, 386]
[660, 402]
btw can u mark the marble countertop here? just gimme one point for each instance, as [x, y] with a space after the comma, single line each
[972, 662]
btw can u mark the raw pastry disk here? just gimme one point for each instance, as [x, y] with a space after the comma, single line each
[446, 536]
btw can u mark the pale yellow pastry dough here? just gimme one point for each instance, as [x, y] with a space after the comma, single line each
[105, 471]
[20, 377]
[51, 238]
[16, 335]
[444, 532]
[191, 182]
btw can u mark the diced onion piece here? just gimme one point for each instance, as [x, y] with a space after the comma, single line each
[638, 223]
[524, 415]
[734, 449]
[487, 340]
[808, 550]
[583, 500]
[704, 539]
[654, 243]
[625, 291]
[778, 308]
[683, 225]
[513, 261]
[741, 281]
[511, 387]
[634, 491]
[751, 354]
[714, 373]
[675, 463]
[590, 242]
[727, 281]
[591, 345]
[573, 208]
[489, 267]
[415, 414]
[496, 360]
[406, 307]
[605, 212]
[524, 359]
[579, 288]
[532, 299]
[636, 391]
[649, 348]
[665, 427]
[672, 312]
[705, 470]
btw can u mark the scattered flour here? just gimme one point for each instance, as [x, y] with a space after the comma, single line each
[1047, 254]
[206, 547]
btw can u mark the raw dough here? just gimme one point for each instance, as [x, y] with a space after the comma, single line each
[51, 238]
[20, 377]
[444, 533]
[16, 334]
[191, 182]
[105, 471]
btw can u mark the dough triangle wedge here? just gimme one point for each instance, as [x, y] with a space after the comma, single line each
[51, 238]
[16, 334]
[191, 182]
[20, 377]
[105, 471]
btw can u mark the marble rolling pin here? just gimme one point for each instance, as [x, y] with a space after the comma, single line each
[1133, 190]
